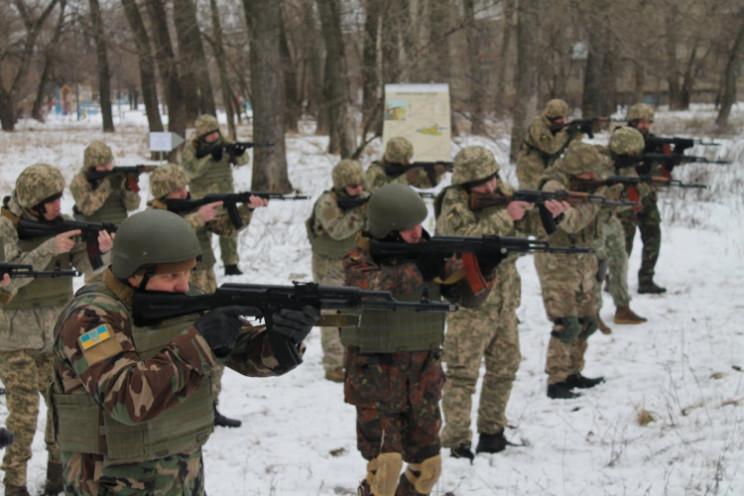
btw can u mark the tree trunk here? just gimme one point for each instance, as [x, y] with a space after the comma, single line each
[38, 111]
[477, 81]
[670, 45]
[291, 103]
[146, 65]
[525, 104]
[197, 90]
[439, 50]
[372, 103]
[728, 95]
[104, 75]
[336, 84]
[267, 92]
[219, 55]
[390, 43]
[504, 57]
[168, 71]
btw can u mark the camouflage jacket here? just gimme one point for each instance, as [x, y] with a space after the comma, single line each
[540, 148]
[375, 177]
[333, 230]
[207, 175]
[90, 197]
[579, 225]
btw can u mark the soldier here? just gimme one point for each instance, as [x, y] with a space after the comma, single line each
[398, 153]
[27, 320]
[545, 140]
[209, 169]
[332, 229]
[648, 218]
[490, 331]
[133, 404]
[393, 373]
[568, 281]
[610, 250]
[170, 182]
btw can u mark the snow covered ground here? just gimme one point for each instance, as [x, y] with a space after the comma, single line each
[683, 367]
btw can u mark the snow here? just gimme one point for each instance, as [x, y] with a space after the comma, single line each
[683, 367]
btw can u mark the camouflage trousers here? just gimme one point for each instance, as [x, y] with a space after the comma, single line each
[229, 249]
[174, 475]
[329, 271]
[25, 374]
[648, 220]
[396, 396]
[612, 252]
[568, 289]
[473, 334]
[564, 359]
[205, 279]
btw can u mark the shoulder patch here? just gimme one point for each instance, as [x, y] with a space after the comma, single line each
[98, 344]
[453, 218]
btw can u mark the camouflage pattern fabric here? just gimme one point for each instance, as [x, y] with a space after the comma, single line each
[398, 150]
[540, 149]
[648, 221]
[612, 251]
[564, 360]
[331, 272]
[25, 375]
[375, 177]
[37, 183]
[116, 384]
[205, 279]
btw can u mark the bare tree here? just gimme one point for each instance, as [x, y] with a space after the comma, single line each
[291, 97]
[104, 75]
[525, 104]
[267, 88]
[733, 62]
[477, 82]
[50, 52]
[372, 103]
[508, 16]
[219, 55]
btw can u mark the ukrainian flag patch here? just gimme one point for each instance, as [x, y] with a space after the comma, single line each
[95, 336]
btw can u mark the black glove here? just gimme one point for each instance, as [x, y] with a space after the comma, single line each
[587, 128]
[237, 149]
[293, 324]
[430, 265]
[221, 326]
[488, 261]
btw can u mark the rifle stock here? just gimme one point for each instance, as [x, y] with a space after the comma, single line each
[130, 171]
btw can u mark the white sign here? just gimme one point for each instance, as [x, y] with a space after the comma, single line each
[164, 142]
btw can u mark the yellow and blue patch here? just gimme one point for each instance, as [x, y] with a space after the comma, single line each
[95, 336]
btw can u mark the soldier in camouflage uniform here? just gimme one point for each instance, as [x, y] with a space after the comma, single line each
[399, 152]
[610, 251]
[209, 169]
[568, 280]
[27, 320]
[545, 140]
[170, 182]
[332, 229]
[133, 404]
[648, 218]
[393, 373]
[490, 331]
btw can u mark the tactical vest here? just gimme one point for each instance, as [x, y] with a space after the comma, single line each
[217, 179]
[43, 292]
[207, 254]
[385, 331]
[112, 209]
[323, 244]
[82, 427]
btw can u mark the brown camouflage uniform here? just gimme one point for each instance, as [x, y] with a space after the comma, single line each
[132, 391]
[26, 336]
[207, 175]
[398, 150]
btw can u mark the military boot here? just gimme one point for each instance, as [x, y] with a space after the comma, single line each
[363, 489]
[604, 328]
[405, 488]
[648, 286]
[13, 490]
[491, 443]
[222, 421]
[463, 451]
[335, 375]
[233, 270]
[581, 382]
[54, 483]
[561, 391]
[624, 315]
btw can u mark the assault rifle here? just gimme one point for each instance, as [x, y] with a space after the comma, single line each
[28, 229]
[586, 126]
[479, 201]
[26, 270]
[235, 149]
[395, 169]
[131, 172]
[667, 160]
[264, 300]
[229, 201]
[347, 203]
[679, 144]
[647, 179]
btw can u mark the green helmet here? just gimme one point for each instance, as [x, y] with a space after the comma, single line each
[398, 150]
[152, 237]
[347, 172]
[556, 108]
[167, 178]
[472, 164]
[97, 153]
[580, 158]
[205, 124]
[394, 207]
[625, 140]
[37, 183]
[640, 112]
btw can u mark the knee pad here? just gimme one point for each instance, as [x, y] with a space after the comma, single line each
[383, 472]
[425, 475]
